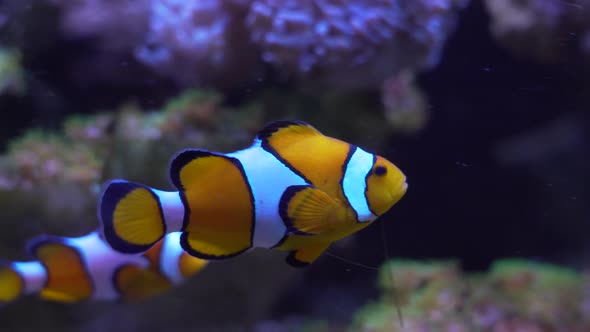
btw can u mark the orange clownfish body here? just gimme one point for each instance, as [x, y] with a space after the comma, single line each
[86, 268]
[294, 189]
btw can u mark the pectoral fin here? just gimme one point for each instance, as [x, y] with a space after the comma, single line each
[306, 255]
[307, 210]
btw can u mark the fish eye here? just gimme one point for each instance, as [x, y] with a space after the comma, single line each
[380, 170]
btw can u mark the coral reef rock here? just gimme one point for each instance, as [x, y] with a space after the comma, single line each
[335, 38]
[515, 295]
[542, 28]
[225, 43]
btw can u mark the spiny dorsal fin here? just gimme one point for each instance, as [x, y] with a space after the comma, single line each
[285, 130]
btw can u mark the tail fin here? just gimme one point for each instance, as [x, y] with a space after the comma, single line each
[12, 283]
[131, 215]
[67, 277]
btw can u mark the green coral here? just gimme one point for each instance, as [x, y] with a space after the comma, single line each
[514, 295]
[53, 177]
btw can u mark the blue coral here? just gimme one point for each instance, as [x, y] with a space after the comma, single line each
[314, 34]
[212, 42]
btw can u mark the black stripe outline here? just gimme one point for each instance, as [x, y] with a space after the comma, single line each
[284, 208]
[351, 150]
[267, 131]
[367, 186]
[182, 159]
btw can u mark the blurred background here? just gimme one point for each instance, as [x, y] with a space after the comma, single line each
[482, 104]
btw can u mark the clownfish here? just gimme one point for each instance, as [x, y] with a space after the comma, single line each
[86, 268]
[294, 189]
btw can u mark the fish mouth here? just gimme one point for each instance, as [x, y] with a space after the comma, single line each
[399, 191]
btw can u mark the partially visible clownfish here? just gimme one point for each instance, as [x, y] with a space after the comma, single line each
[85, 268]
[294, 189]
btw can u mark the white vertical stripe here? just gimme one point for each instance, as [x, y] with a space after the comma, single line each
[101, 263]
[170, 258]
[172, 209]
[354, 183]
[268, 178]
[34, 275]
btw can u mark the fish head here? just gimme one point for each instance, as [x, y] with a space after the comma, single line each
[386, 185]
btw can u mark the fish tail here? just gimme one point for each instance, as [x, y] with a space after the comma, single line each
[20, 278]
[132, 216]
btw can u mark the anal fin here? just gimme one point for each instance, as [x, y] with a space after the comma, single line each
[211, 248]
[306, 255]
[136, 283]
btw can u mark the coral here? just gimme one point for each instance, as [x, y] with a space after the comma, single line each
[196, 41]
[50, 185]
[405, 105]
[541, 28]
[375, 38]
[117, 24]
[225, 43]
[11, 74]
[54, 177]
[513, 295]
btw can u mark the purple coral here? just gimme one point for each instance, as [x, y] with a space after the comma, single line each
[222, 43]
[192, 41]
[336, 35]
[117, 23]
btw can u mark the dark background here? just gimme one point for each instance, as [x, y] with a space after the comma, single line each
[466, 199]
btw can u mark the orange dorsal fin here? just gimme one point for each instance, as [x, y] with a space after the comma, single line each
[317, 158]
[283, 133]
[67, 277]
